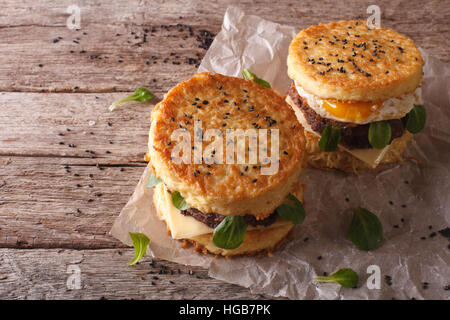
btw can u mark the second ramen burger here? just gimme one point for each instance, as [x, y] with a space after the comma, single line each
[226, 155]
[357, 92]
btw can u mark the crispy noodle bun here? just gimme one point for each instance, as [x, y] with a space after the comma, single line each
[222, 102]
[258, 240]
[344, 161]
[346, 61]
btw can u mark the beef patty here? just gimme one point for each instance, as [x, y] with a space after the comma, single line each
[212, 220]
[353, 136]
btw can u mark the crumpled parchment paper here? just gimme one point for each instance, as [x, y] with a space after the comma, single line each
[411, 200]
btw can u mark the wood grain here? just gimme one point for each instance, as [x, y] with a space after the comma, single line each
[68, 165]
[109, 53]
[43, 274]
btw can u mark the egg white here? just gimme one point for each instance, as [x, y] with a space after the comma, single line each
[393, 108]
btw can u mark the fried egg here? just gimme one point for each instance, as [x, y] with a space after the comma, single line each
[362, 112]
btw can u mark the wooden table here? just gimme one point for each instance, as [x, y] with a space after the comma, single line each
[68, 165]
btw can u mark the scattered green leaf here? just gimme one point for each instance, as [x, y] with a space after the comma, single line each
[230, 233]
[292, 211]
[366, 231]
[330, 139]
[152, 181]
[345, 277]
[140, 243]
[178, 201]
[248, 75]
[416, 119]
[140, 95]
[379, 134]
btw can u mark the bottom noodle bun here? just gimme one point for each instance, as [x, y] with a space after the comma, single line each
[344, 161]
[258, 240]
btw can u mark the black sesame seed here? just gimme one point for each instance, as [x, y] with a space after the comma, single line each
[254, 180]
[205, 102]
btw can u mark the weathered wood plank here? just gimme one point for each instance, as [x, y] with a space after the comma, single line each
[37, 125]
[109, 53]
[43, 274]
[50, 192]
[44, 205]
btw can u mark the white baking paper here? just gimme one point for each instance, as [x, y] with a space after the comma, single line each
[412, 200]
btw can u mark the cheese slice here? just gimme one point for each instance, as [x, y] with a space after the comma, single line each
[371, 156]
[180, 226]
[186, 227]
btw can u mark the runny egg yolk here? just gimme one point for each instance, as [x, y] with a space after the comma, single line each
[350, 111]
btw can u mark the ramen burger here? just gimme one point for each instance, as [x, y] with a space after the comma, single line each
[357, 93]
[226, 156]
